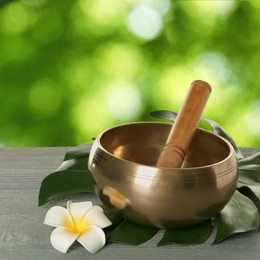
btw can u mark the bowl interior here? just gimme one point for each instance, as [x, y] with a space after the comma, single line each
[142, 143]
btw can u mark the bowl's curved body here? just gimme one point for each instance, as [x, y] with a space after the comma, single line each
[122, 161]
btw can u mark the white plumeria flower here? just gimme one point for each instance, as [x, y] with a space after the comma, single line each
[81, 221]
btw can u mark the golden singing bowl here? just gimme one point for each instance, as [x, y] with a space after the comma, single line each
[122, 161]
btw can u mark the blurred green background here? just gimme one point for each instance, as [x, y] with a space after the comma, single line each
[71, 69]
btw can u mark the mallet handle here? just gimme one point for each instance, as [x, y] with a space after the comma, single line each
[185, 125]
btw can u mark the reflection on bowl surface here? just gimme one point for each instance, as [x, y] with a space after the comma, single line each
[122, 161]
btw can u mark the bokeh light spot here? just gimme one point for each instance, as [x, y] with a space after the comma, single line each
[45, 98]
[208, 10]
[171, 87]
[16, 18]
[223, 7]
[77, 72]
[213, 66]
[162, 6]
[144, 22]
[118, 59]
[103, 18]
[89, 116]
[252, 118]
[124, 100]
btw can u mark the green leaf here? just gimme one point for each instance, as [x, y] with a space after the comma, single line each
[132, 233]
[164, 114]
[71, 177]
[78, 151]
[65, 183]
[253, 193]
[249, 167]
[169, 115]
[249, 161]
[239, 215]
[114, 216]
[189, 235]
[217, 129]
[255, 188]
[249, 176]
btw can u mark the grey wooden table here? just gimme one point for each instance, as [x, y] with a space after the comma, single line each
[23, 235]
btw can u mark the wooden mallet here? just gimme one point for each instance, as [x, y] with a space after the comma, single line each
[183, 129]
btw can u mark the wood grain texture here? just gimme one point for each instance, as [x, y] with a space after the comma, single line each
[23, 235]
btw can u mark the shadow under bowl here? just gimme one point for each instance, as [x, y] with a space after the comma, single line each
[122, 161]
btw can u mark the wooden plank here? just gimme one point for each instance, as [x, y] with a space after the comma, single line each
[23, 235]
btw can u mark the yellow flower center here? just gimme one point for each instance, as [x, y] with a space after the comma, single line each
[79, 225]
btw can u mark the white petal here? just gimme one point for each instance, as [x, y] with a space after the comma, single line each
[62, 239]
[78, 209]
[93, 239]
[95, 216]
[58, 217]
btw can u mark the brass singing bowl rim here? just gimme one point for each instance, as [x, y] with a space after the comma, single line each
[166, 170]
